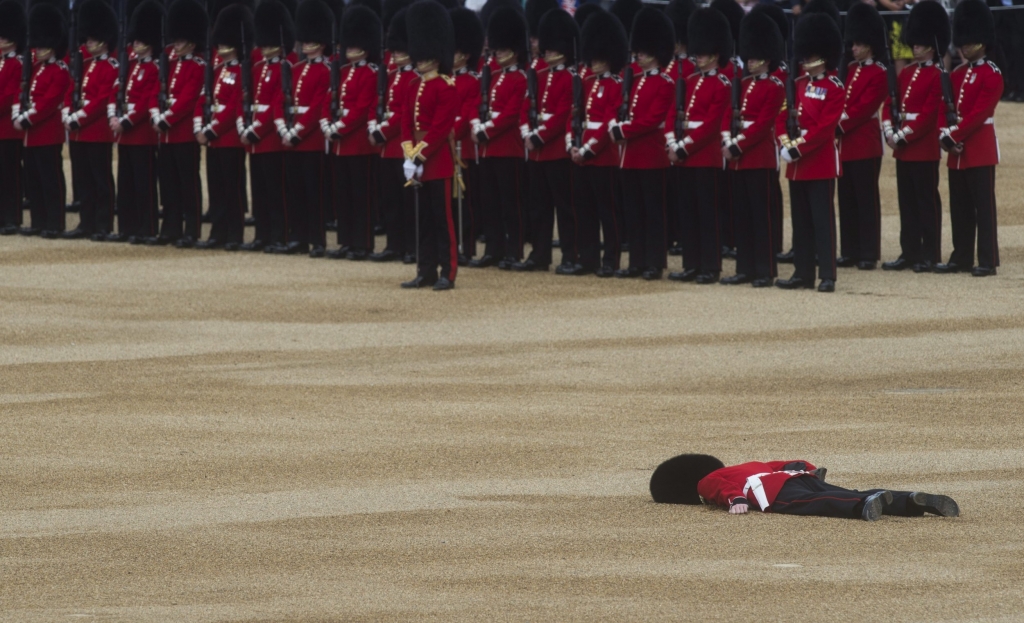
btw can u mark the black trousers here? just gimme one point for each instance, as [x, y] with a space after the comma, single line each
[777, 215]
[807, 495]
[92, 167]
[860, 210]
[726, 219]
[396, 206]
[327, 189]
[470, 226]
[267, 184]
[438, 244]
[644, 190]
[698, 210]
[596, 216]
[814, 228]
[972, 211]
[551, 193]
[44, 185]
[226, 182]
[752, 213]
[917, 188]
[500, 181]
[305, 173]
[351, 192]
[674, 188]
[137, 211]
[180, 189]
[11, 189]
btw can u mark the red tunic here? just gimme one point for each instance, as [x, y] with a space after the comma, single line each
[467, 86]
[977, 88]
[140, 103]
[50, 83]
[357, 104]
[553, 109]
[603, 96]
[99, 90]
[763, 97]
[508, 88]
[268, 106]
[820, 103]
[920, 89]
[653, 97]
[10, 89]
[310, 82]
[427, 121]
[866, 89]
[397, 96]
[759, 483]
[707, 104]
[222, 131]
[185, 84]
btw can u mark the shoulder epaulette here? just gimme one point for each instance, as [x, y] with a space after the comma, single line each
[667, 78]
[449, 80]
[776, 80]
[373, 66]
[881, 65]
[724, 79]
[616, 77]
[836, 81]
[994, 67]
[113, 62]
[198, 60]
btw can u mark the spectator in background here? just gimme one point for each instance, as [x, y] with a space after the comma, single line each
[1010, 34]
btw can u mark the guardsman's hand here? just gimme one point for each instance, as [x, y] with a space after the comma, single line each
[201, 138]
[738, 509]
[115, 125]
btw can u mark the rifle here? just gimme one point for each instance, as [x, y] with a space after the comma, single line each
[627, 88]
[208, 82]
[680, 127]
[947, 88]
[844, 67]
[246, 72]
[792, 124]
[485, 92]
[26, 64]
[531, 86]
[122, 61]
[286, 87]
[164, 65]
[894, 88]
[737, 86]
[577, 104]
[76, 62]
[382, 81]
[335, 85]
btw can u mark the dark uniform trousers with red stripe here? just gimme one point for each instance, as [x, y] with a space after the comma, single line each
[917, 189]
[268, 197]
[471, 200]
[597, 217]
[551, 193]
[644, 191]
[726, 218]
[807, 495]
[226, 180]
[776, 212]
[44, 186]
[93, 181]
[698, 217]
[438, 244]
[10, 182]
[304, 185]
[814, 228]
[351, 192]
[860, 210]
[136, 190]
[396, 206]
[502, 209]
[752, 213]
[972, 210]
[180, 192]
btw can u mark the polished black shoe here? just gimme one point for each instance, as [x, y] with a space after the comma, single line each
[874, 505]
[419, 282]
[483, 262]
[158, 241]
[444, 284]
[100, 236]
[763, 282]
[9, 230]
[387, 255]
[577, 270]
[866, 265]
[785, 258]
[652, 274]
[605, 272]
[337, 254]
[687, 274]
[272, 247]
[29, 231]
[506, 263]
[845, 262]
[255, 245]
[464, 260]
[250, 221]
[212, 243]
[49, 234]
[983, 271]
[232, 246]
[292, 248]
[117, 237]
[76, 233]
[675, 250]
[317, 252]
[706, 278]
[950, 268]
[897, 264]
[941, 505]
[137, 240]
[565, 268]
[530, 266]
[736, 280]
[331, 226]
[795, 283]
[729, 252]
[924, 267]
[357, 255]
[827, 285]
[409, 258]
[628, 273]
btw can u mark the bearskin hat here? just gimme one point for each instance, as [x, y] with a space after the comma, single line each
[469, 34]
[397, 39]
[760, 38]
[491, 7]
[61, 5]
[186, 21]
[336, 7]
[96, 20]
[604, 39]
[822, 6]
[675, 480]
[507, 31]
[313, 21]
[709, 33]
[586, 11]
[233, 21]
[274, 26]
[865, 25]
[818, 35]
[389, 9]
[449, 4]
[653, 34]
[926, 24]
[535, 10]
[147, 23]
[46, 29]
[626, 11]
[12, 23]
[679, 12]
[360, 28]
[559, 32]
[732, 12]
[288, 4]
[431, 34]
[373, 5]
[973, 23]
[214, 7]
[775, 12]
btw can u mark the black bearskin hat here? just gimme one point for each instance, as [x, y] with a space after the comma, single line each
[558, 31]
[12, 23]
[469, 35]
[817, 35]
[865, 25]
[389, 9]
[973, 23]
[230, 24]
[507, 31]
[291, 5]
[313, 21]
[449, 4]
[653, 34]
[431, 34]
[491, 7]
[604, 39]
[96, 20]
[214, 7]
[360, 28]
[626, 11]
[46, 29]
[145, 26]
[732, 12]
[775, 12]
[60, 5]
[336, 7]
[760, 39]
[822, 6]
[586, 11]
[709, 33]
[675, 480]
[274, 26]
[535, 10]
[186, 21]
[679, 12]
[926, 24]
[373, 5]
[397, 39]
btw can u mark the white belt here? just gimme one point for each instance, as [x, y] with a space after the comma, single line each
[747, 124]
[693, 125]
[546, 116]
[594, 125]
[990, 121]
[910, 116]
[262, 107]
[219, 108]
[754, 484]
[302, 109]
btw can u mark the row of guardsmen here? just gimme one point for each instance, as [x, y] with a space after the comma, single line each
[665, 138]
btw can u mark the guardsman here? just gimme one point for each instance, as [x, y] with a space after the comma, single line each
[699, 147]
[813, 157]
[469, 45]
[548, 167]
[749, 146]
[860, 211]
[428, 117]
[625, 11]
[12, 42]
[41, 122]
[605, 52]
[275, 36]
[972, 144]
[501, 143]
[644, 161]
[225, 154]
[914, 140]
[681, 67]
[300, 132]
[345, 125]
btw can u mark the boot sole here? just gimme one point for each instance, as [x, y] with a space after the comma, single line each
[941, 505]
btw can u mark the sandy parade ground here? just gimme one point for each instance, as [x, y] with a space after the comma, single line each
[205, 436]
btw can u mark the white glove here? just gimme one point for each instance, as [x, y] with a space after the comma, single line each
[409, 168]
[784, 153]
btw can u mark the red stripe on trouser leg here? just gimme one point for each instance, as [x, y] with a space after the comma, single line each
[453, 249]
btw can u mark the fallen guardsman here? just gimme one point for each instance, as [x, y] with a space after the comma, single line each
[789, 487]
